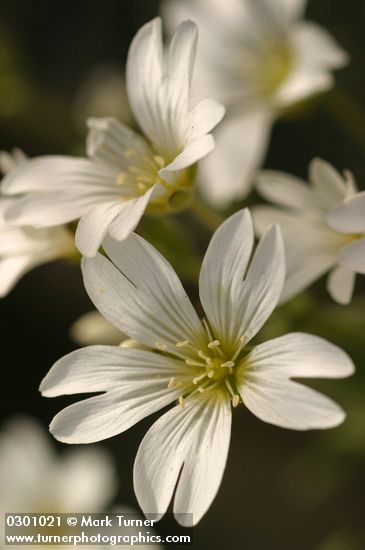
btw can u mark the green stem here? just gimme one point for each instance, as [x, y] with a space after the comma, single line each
[207, 216]
[349, 113]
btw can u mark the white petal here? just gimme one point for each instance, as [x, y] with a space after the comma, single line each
[293, 9]
[49, 209]
[223, 270]
[12, 269]
[117, 217]
[141, 294]
[328, 184]
[54, 174]
[262, 286]
[340, 284]
[193, 152]
[286, 190]
[270, 394]
[349, 217]
[106, 368]
[298, 355]
[108, 140]
[240, 146]
[288, 404]
[203, 469]
[206, 114]
[85, 480]
[318, 47]
[352, 256]
[198, 436]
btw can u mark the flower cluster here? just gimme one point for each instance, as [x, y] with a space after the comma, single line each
[258, 58]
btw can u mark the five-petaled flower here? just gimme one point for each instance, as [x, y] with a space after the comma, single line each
[323, 227]
[259, 57]
[126, 172]
[206, 366]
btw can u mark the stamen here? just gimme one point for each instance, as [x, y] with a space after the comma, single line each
[229, 387]
[207, 328]
[122, 177]
[130, 152]
[161, 346]
[160, 161]
[210, 374]
[214, 344]
[207, 359]
[198, 378]
[235, 400]
[201, 389]
[181, 401]
[182, 344]
[243, 340]
[192, 363]
[228, 364]
[171, 384]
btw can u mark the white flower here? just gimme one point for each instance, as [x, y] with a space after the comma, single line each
[125, 171]
[34, 479]
[323, 227]
[93, 328]
[205, 366]
[258, 57]
[23, 248]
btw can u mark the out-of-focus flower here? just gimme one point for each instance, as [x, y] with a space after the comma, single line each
[34, 479]
[23, 248]
[206, 366]
[258, 57]
[323, 227]
[92, 328]
[126, 172]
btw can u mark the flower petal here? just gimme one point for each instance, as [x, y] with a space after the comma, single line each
[197, 435]
[108, 140]
[340, 284]
[48, 174]
[327, 183]
[349, 217]
[141, 294]
[266, 389]
[118, 218]
[193, 152]
[206, 114]
[139, 382]
[241, 144]
[352, 256]
[223, 270]
[286, 190]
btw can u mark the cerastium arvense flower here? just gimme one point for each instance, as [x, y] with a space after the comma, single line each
[206, 367]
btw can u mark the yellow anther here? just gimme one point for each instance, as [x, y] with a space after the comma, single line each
[235, 400]
[201, 389]
[160, 346]
[160, 161]
[181, 401]
[214, 344]
[122, 177]
[171, 384]
[207, 359]
[182, 344]
[192, 363]
[228, 364]
[130, 152]
[198, 378]
[210, 374]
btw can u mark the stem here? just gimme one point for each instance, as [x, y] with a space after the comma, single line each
[207, 216]
[349, 113]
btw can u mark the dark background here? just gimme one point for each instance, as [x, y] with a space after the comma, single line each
[282, 489]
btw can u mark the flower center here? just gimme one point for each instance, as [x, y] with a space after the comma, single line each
[273, 64]
[142, 173]
[207, 369]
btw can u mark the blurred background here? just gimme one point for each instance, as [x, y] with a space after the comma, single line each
[63, 61]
